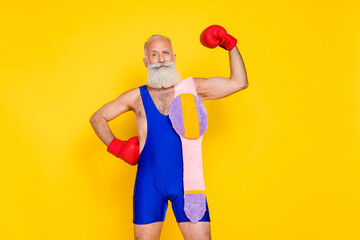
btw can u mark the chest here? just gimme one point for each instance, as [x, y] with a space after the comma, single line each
[162, 100]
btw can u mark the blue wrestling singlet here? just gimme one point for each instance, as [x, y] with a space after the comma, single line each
[159, 176]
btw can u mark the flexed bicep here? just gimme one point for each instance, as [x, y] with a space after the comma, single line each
[216, 87]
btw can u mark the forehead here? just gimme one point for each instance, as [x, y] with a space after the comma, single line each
[158, 44]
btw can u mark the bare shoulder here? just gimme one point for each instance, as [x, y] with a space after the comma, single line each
[198, 86]
[126, 101]
[129, 98]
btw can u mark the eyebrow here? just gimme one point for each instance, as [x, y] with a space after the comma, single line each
[164, 50]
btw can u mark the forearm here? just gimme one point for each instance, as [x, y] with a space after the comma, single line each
[102, 129]
[237, 67]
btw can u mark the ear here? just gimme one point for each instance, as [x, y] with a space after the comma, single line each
[145, 62]
[174, 56]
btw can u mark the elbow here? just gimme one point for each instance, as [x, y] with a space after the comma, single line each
[96, 117]
[240, 83]
[93, 118]
[244, 85]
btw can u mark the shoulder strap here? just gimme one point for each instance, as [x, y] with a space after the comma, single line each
[185, 86]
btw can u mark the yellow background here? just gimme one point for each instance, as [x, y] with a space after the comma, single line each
[281, 158]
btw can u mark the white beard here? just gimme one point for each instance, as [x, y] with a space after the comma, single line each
[162, 77]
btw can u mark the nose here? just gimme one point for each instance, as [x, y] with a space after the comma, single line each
[161, 58]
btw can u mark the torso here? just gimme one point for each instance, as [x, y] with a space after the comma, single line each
[162, 99]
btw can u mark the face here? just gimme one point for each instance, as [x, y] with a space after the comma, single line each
[158, 51]
[162, 72]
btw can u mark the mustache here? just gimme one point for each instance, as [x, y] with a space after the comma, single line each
[155, 66]
[162, 77]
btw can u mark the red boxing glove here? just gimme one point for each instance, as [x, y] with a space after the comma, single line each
[126, 150]
[216, 35]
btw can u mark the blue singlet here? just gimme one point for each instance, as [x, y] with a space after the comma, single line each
[159, 175]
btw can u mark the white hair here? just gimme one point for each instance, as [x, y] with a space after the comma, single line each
[153, 37]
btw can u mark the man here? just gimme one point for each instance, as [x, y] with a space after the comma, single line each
[159, 174]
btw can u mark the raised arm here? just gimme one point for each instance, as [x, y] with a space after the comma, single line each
[219, 87]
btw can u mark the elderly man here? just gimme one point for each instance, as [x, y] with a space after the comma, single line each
[158, 148]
